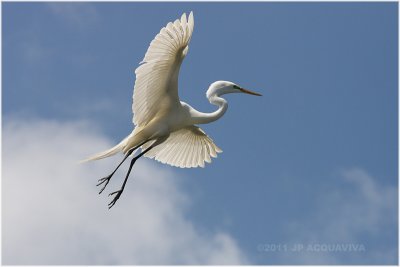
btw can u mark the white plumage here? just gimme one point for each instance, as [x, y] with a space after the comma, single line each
[157, 78]
[165, 126]
[186, 148]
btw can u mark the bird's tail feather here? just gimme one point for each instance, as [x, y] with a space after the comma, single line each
[108, 153]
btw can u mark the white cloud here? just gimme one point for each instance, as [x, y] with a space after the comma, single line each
[360, 210]
[52, 213]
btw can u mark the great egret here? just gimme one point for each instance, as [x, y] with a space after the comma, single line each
[164, 126]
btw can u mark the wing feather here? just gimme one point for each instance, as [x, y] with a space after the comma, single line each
[185, 150]
[189, 147]
[190, 157]
[157, 77]
[207, 154]
[200, 159]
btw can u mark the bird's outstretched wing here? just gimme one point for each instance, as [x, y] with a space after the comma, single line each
[189, 147]
[156, 85]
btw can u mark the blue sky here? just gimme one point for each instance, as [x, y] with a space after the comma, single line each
[313, 161]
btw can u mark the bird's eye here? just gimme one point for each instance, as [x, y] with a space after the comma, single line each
[236, 87]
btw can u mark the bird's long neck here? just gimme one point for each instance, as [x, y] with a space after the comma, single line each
[203, 118]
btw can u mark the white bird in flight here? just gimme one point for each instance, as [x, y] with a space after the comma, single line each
[165, 127]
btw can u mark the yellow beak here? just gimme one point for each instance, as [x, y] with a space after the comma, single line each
[249, 92]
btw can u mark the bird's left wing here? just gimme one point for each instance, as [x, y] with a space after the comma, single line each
[156, 85]
[189, 147]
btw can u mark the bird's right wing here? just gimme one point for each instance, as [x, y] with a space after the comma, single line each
[156, 85]
[189, 147]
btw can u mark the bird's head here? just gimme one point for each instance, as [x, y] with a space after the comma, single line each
[224, 87]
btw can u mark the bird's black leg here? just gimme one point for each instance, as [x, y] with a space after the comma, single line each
[119, 192]
[106, 179]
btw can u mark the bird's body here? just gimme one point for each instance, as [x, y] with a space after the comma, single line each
[165, 127]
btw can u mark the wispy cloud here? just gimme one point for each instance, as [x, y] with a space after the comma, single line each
[345, 218]
[79, 15]
[52, 213]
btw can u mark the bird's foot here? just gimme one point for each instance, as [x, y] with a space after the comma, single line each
[117, 195]
[105, 180]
